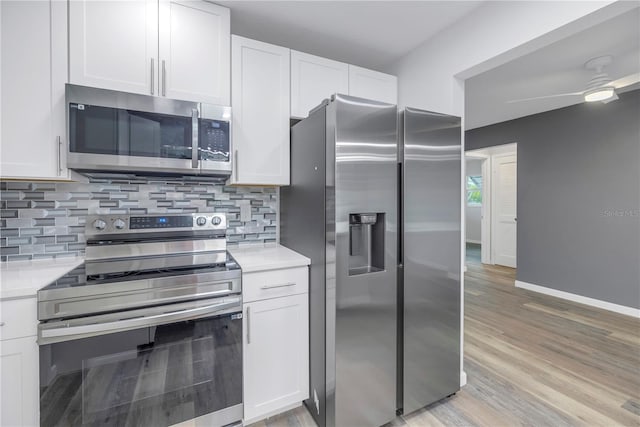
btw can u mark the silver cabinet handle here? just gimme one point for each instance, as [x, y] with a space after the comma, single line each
[164, 78]
[59, 139]
[281, 285]
[194, 138]
[248, 327]
[235, 160]
[139, 322]
[152, 75]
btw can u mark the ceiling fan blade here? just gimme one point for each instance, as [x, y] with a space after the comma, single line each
[625, 81]
[557, 95]
[614, 97]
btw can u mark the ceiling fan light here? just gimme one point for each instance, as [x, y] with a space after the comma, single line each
[599, 94]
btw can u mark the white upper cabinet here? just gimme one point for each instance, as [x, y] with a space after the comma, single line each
[194, 51]
[114, 44]
[314, 79]
[34, 72]
[373, 85]
[171, 48]
[260, 104]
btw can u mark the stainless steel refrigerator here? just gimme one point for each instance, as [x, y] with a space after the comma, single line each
[429, 258]
[342, 211]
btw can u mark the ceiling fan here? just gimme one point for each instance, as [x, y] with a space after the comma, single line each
[600, 87]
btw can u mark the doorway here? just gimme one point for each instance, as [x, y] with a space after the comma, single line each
[491, 205]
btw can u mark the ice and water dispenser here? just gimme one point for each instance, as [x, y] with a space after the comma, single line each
[366, 243]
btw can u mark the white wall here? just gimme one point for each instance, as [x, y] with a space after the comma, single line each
[473, 213]
[430, 76]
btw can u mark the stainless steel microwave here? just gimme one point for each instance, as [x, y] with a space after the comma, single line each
[112, 131]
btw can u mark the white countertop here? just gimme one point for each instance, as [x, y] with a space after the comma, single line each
[261, 257]
[23, 279]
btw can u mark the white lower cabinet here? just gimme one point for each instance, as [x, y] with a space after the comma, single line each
[276, 353]
[19, 378]
[19, 368]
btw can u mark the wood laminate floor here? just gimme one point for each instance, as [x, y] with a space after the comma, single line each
[531, 360]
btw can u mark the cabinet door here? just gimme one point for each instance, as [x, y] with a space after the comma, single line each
[34, 64]
[314, 79]
[276, 355]
[59, 77]
[114, 44]
[373, 85]
[194, 51]
[19, 378]
[260, 105]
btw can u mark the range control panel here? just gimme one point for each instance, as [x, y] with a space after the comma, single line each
[101, 225]
[182, 221]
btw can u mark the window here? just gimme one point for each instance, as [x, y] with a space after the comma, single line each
[474, 190]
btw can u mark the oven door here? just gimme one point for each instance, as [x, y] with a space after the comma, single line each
[150, 367]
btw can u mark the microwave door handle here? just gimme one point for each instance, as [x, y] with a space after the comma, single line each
[94, 329]
[194, 138]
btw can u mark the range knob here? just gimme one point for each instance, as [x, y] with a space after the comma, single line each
[99, 224]
[216, 220]
[201, 221]
[119, 224]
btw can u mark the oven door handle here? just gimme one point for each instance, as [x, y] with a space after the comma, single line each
[93, 329]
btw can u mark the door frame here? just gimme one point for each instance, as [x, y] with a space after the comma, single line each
[488, 156]
[485, 210]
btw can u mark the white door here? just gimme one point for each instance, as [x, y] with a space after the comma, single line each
[20, 405]
[373, 85]
[114, 44]
[314, 79]
[34, 70]
[194, 51]
[260, 110]
[504, 209]
[276, 355]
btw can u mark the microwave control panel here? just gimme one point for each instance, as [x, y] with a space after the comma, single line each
[214, 140]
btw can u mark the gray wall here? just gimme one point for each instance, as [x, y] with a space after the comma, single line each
[578, 197]
[45, 220]
[473, 226]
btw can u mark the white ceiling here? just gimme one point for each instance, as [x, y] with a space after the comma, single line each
[557, 68]
[371, 34]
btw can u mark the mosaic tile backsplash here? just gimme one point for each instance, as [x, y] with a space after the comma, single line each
[47, 220]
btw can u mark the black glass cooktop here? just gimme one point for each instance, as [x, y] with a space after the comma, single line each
[79, 277]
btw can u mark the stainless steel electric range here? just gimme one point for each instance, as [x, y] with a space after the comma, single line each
[148, 331]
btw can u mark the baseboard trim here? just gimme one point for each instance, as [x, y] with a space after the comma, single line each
[477, 242]
[621, 309]
[463, 379]
[272, 413]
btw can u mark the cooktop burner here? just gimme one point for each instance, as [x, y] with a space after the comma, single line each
[79, 276]
[144, 261]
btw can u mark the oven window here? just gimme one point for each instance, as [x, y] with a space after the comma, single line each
[103, 130]
[154, 376]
